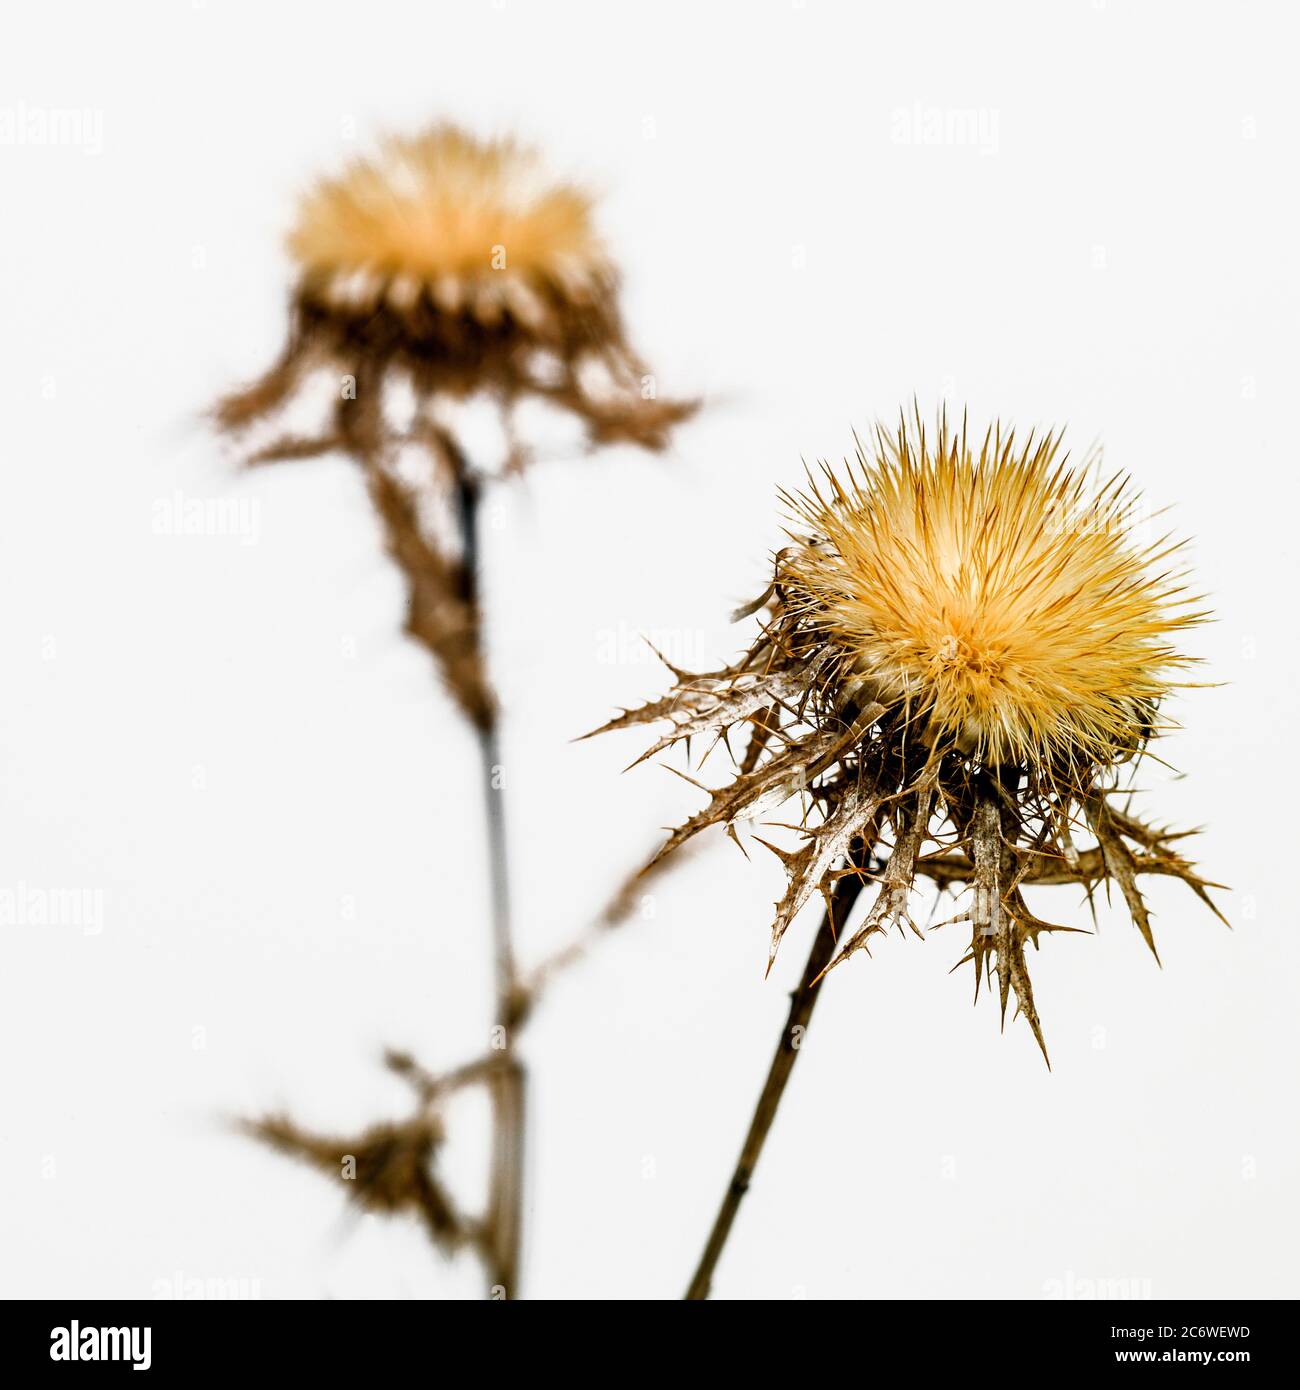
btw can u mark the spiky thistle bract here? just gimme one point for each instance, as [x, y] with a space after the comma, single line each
[963, 643]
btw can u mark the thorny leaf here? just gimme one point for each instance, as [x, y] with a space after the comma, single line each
[809, 868]
[890, 907]
[390, 1167]
[1121, 866]
[707, 703]
[440, 612]
[1089, 868]
[291, 447]
[1000, 923]
[764, 728]
[784, 773]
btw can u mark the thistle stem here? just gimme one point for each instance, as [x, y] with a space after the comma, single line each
[802, 1002]
[503, 1228]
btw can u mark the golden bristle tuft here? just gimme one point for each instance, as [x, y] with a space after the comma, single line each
[1007, 600]
[443, 205]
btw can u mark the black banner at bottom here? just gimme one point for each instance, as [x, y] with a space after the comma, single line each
[342, 1340]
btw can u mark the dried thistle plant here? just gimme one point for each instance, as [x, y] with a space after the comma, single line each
[964, 644]
[454, 267]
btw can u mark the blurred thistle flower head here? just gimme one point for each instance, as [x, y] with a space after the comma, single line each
[962, 644]
[454, 265]
[441, 268]
[476, 224]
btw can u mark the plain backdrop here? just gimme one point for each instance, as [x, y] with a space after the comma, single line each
[1080, 214]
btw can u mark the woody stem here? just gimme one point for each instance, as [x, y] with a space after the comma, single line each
[802, 1002]
[503, 1226]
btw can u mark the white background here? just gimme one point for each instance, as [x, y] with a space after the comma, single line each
[231, 741]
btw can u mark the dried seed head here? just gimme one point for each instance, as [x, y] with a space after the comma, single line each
[961, 648]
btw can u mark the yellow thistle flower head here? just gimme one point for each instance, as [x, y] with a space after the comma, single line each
[1012, 605]
[961, 646]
